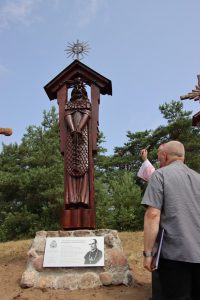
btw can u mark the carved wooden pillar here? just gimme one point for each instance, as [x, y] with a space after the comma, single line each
[79, 161]
[95, 96]
[61, 100]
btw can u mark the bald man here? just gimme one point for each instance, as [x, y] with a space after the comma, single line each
[172, 198]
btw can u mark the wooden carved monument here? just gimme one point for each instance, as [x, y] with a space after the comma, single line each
[195, 95]
[78, 122]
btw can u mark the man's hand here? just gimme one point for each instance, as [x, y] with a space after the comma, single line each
[144, 154]
[148, 263]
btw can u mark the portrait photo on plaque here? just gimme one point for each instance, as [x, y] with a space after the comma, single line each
[94, 254]
[74, 252]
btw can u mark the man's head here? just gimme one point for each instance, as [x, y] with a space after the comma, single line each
[170, 152]
[93, 244]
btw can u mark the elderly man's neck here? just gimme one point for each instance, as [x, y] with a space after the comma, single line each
[174, 158]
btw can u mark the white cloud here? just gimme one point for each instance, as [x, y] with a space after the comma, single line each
[87, 10]
[17, 11]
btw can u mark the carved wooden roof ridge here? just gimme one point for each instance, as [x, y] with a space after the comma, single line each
[74, 70]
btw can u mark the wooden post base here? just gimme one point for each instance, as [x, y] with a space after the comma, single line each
[80, 218]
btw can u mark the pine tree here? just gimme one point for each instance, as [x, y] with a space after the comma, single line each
[31, 181]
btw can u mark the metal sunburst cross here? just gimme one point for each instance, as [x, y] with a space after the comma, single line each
[77, 49]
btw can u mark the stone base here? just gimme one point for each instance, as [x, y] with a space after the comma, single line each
[115, 271]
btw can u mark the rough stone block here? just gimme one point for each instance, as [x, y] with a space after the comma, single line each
[38, 263]
[46, 281]
[41, 233]
[89, 280]
[83, 233]
[64, 233]
[106, 278]
[112, 240]
[39, 244]
[28, 279]
[67, 281]
[116, 257]
[118, 276]
[128, 278]
[52, 233]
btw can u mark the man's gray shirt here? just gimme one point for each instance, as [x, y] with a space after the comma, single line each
[175, 190]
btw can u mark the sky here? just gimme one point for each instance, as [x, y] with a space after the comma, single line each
[148, 49]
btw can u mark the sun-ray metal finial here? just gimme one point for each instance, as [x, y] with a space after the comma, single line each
[77, 49]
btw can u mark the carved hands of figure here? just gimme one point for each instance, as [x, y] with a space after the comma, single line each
[76, 133]
[77, 136]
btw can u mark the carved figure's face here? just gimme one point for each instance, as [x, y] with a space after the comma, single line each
[79, 92]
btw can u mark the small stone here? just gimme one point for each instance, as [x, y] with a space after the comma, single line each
[112, 240]
[128, 278]
[67, 281]
[106, 278]
[83, 233]
[52, 234]
[116, 257]
[102, 232]
[118, 277]
[41, 233]
[38, 263]
[108, 239]
[39, 243]
[32, 253]
[28, 279]
[45, 282]
[64, 233]
[89, 280]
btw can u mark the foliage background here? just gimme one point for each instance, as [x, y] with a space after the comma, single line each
[31, 175]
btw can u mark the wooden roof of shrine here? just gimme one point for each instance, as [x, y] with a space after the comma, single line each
[195, 95]
[196, 119]
[74, 70]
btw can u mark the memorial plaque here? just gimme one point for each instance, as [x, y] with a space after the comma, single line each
[74, 252]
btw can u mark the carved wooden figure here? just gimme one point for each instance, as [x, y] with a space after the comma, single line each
[78, 121]
[77, 161]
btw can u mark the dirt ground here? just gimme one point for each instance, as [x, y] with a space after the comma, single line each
[13, 261]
